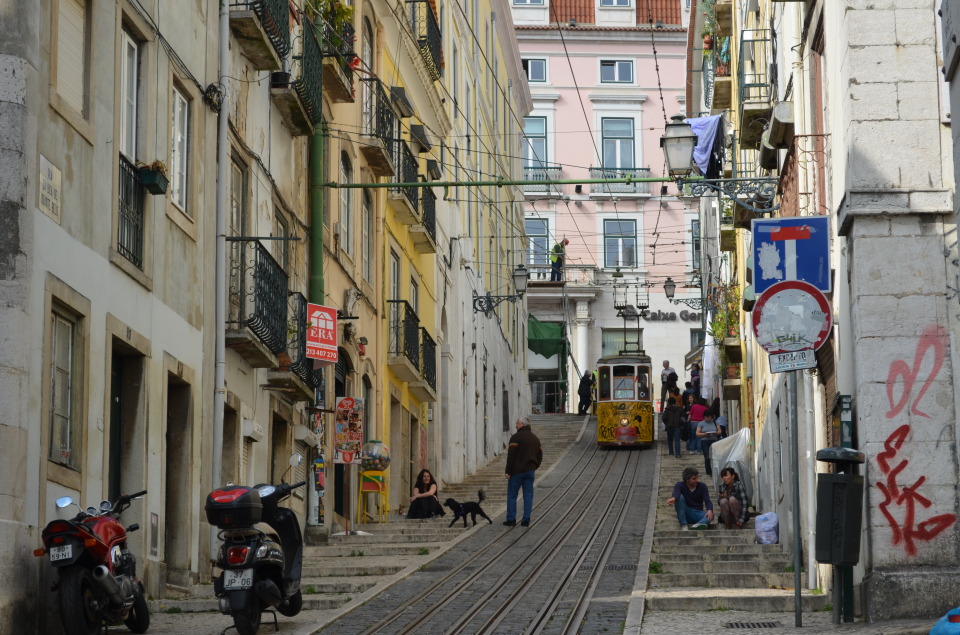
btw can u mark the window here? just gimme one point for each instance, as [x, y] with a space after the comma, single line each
[697, 337]
[180, 145]
[536, 70]
[129, 89]
[281, 247]
[535, 135]
[617, 142]
[614, 3]
[538, 250]
[394, 276]
[346, 202]
[65, 429]
[72, 49]
[455, 80]
[415, 297]
[615, 340]
[695, 244]
[616, 72]
[528, 2]
[620, 243]
[368, 256]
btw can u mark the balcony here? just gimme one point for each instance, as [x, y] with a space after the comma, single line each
[405, 200]
[338, 57]
[619, 189]
[130, 219]
[426, 30]
[732, 349]
[542, 173]
[754, 85]
[295, 375]
[376, 137]
[403, 354]
[424, 235]
[723, 10]
[300, 101]
[257, 303]
[722, 83]
[426, 388]
[262, 31]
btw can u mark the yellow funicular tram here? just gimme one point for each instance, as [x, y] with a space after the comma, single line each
[624, 400]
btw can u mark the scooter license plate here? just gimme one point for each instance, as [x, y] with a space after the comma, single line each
[61, 553]
[238, 579]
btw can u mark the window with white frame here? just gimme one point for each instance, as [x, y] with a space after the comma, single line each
[536, 70]
[528, 2]
[538, 237]
[65, 427]
[72, 61]
[615, 3]
[619, 243]
[179, 160]
[346, 203]
[394, 276]
[368, 254]
[129, 95]
[695, 244]
[281, 248]
[618, 143]
[616, 71]
[535, 136]
[415, 296]
[612, 341]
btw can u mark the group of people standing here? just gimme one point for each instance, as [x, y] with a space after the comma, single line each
[687, 417]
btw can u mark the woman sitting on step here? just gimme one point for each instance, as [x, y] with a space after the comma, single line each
[424, 502]
[733, 500]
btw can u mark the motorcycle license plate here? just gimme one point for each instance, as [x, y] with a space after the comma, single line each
[61, 553]
[238, 579]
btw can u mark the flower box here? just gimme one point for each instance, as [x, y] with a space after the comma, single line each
[154, 180]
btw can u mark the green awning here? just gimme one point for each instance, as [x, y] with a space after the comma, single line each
[544, 338]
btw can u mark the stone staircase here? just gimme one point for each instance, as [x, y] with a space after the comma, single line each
[715, 568]
[355, 567]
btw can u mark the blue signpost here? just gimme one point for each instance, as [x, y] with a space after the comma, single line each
[795, 248]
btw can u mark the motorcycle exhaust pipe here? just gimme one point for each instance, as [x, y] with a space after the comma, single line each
[109, 584]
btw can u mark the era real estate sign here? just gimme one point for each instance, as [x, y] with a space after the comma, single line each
[322, 334]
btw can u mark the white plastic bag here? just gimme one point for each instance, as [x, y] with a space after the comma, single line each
[768, 528]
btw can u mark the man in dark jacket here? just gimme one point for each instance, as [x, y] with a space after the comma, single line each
[585, 392]
[524, 456]
[691, 500]
[673, 422]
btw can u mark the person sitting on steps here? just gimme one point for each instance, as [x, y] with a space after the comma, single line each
[733, 500]
[691, 500]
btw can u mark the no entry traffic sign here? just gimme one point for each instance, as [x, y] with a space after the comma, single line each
[791, 316]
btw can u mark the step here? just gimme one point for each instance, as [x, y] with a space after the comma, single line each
[334, 568]
[208, 605]
[671, 547]
[707, 536]
[706, 599]
[358, 542]
[366, 550]
[357, 584]
[725, 580]
[711, 566]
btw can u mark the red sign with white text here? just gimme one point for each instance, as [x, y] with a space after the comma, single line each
[322, 333]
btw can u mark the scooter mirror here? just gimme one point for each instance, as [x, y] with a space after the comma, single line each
[296, 459]
[105, 506]
[64, 501]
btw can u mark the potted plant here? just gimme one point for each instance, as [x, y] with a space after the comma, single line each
[709, 27]
[153, 176]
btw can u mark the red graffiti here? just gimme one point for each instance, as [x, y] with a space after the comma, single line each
[934, 337]
[906, 497]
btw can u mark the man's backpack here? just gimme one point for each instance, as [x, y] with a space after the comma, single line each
[672, 379]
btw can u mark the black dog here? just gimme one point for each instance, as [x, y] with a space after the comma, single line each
[460, 510]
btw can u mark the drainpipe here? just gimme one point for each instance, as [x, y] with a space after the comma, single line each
[316, 290]
[220, 300]
[813, 406]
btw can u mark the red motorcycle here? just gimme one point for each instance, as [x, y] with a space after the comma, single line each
[98, 582]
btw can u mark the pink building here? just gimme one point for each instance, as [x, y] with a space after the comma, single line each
[605, 76]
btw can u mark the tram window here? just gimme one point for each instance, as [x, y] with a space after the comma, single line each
[603, 385]
[623, 382]
[643, 382]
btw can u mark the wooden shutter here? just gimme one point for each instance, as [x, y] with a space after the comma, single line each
[71, 54]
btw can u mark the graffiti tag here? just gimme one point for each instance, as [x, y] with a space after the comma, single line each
[935, 338]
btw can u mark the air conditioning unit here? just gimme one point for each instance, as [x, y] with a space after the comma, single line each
[781, 125]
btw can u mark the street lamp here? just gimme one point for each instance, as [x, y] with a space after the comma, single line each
[486, 303]
[678, 142]
[670, 288]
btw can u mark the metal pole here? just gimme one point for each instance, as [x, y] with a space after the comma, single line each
[795, 464]
[220, 300]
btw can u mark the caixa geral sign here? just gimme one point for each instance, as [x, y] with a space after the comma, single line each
[322, 333]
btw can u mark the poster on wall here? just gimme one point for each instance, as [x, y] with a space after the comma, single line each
[348, 430]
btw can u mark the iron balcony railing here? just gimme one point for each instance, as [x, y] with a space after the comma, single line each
[753, 71]
[258, 293]
[338, 42]
[404, 331]
[300, 364]
[426, 30]
[541, 173]
[309, 85]
[706, 73]
[428, 361]
[407, 169]
[428, 213]
[130, 226]
[620, 173]
[273, 18]
[379, 119]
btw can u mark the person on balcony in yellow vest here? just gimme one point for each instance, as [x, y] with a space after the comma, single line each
[556, 259]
